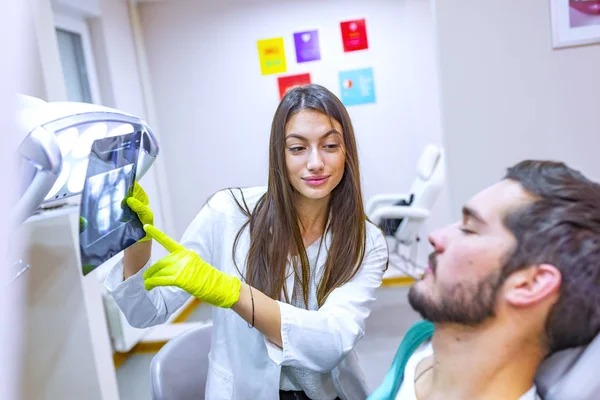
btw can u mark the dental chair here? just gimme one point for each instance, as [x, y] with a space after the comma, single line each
[571, 374]
[179, 370]
[401, 216]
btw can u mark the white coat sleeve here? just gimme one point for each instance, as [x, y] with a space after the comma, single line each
[144, 308]
[319, 340]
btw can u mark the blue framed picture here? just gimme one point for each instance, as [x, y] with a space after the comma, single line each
[357, 86]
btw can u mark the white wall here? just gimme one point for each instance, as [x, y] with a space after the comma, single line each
[215, 108]
[31, 80]
[12, 77]
[114, 49]
[88, 8]
[507, 96]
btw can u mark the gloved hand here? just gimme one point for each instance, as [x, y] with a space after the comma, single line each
[185, 269]
[82, 224]
[139, 204]
[86, 268]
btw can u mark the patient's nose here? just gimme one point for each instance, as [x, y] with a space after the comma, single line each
[437, 239]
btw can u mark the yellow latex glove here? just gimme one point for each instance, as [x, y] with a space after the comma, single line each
[139, 204]
[83, 224]
[185, 269]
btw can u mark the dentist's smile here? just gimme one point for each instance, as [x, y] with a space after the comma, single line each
[315, 180]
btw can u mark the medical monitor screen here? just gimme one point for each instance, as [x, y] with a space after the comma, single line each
[107, 225]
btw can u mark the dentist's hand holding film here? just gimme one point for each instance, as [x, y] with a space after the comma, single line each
[185, 269]
[139, 204]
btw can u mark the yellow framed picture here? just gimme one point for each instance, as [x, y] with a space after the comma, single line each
[271, 53]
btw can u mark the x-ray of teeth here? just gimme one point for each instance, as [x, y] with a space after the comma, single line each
[109, 225]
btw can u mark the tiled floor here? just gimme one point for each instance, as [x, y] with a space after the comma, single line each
[390, 319]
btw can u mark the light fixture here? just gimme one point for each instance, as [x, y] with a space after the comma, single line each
[58, 137]
[41, 159]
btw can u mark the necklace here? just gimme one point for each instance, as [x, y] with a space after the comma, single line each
[422, 373]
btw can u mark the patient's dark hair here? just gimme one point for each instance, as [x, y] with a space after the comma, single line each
[561, 227]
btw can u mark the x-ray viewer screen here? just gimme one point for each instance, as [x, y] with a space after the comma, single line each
[106, 194]
[109, 224]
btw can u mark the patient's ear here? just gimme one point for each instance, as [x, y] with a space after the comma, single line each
[532, 285]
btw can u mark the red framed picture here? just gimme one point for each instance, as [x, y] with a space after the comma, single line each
[290, 81]
[354, 35]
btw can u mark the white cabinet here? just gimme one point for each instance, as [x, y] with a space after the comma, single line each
[67, 346]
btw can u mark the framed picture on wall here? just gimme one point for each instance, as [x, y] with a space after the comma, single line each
[285, 83]
[357, 86]
[575, 22]
[354, 35]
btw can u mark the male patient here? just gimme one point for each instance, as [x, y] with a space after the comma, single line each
[517, 279]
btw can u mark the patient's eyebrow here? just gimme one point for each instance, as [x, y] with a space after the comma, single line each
[328, 133]
[470, 213]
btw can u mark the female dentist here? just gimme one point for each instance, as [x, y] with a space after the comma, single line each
[291, 268]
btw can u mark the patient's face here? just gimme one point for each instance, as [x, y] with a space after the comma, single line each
[463, 278]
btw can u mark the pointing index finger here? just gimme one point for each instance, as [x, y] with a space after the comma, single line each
[162, 238]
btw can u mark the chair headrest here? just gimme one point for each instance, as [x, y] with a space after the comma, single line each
[571, 374]
[428, 161]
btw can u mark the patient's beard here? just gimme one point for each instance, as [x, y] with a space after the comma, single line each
[465, 304]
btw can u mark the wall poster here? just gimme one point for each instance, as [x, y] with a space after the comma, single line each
[357, 86]
[354, 35]
[271, 53]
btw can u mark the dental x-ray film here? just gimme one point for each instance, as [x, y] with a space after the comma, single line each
[107, 225]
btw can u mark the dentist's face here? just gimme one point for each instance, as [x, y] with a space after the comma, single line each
[314, 154]
[463, 280]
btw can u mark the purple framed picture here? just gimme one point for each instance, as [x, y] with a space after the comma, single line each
[307, 46]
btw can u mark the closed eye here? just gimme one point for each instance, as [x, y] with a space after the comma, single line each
[331, 146]
[466, 231]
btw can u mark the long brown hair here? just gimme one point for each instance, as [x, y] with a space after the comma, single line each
[275, 235]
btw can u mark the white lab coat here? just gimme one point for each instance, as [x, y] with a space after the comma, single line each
[243, 364]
